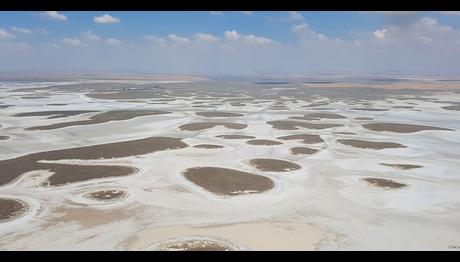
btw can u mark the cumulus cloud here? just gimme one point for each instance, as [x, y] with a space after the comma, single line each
[72, 41]
[248, 39]
[5, 34]
[112, 41]
[310, 36]
[295, 16]
[450, 13]
[155, 39]
[380, 34]
[21, 30]
[178, 39]
[106, 19]
[260, 40]
[90, 37]
[54, 15]
[216, 13]
[231, 35]
[205, 38]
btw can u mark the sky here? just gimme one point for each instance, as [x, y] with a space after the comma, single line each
[231, 42]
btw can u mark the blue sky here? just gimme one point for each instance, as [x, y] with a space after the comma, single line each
[248, 41]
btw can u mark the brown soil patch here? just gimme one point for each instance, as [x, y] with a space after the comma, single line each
[363, 118]
[345, 133]
[207, 125]
[228, 182]
[113, 194]
[125, 95]
[218, 114]
[13, 168]
[263, 142]
[381, 182]
[235, 136]
[65, 174]
[370, 109]
[115, 115]
[55, 114]
[273, 165]
[208, 146]
[325, 115]
[294, 125]
[454, 107]
[11, 209]
[402, 166]
[369, 144]
[303, 151]
[306, 138]
[400, 128]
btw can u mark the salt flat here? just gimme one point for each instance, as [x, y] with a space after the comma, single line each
[325, 204]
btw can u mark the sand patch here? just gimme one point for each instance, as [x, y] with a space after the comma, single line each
[218, 114]
[294, 125]
[263, 142]
[303, 151]
[228, 182]
[306, 138]
[235, 136]
[385, 183]
[208, 146]
[207, 125]
[369, 144]
[273, 165]
[401, 128]
[263, 235]
[194, 243]
[401, 166]
[115, 115]
[11, 209]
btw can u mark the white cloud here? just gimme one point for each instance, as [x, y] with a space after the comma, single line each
[5, 34]
[54, 15]
[450, 12]
[72, 41]
[248, 39]
[232, 35]
[156, 39]
[380, 34]
[295, 16]
[216, 13]
[21, 30]
[260, 40]
[206, 38]
[106, 19]
[178, 39]
[396, 12]
[308, 35]
[90, 37]
[246, 12]
[112, 41]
